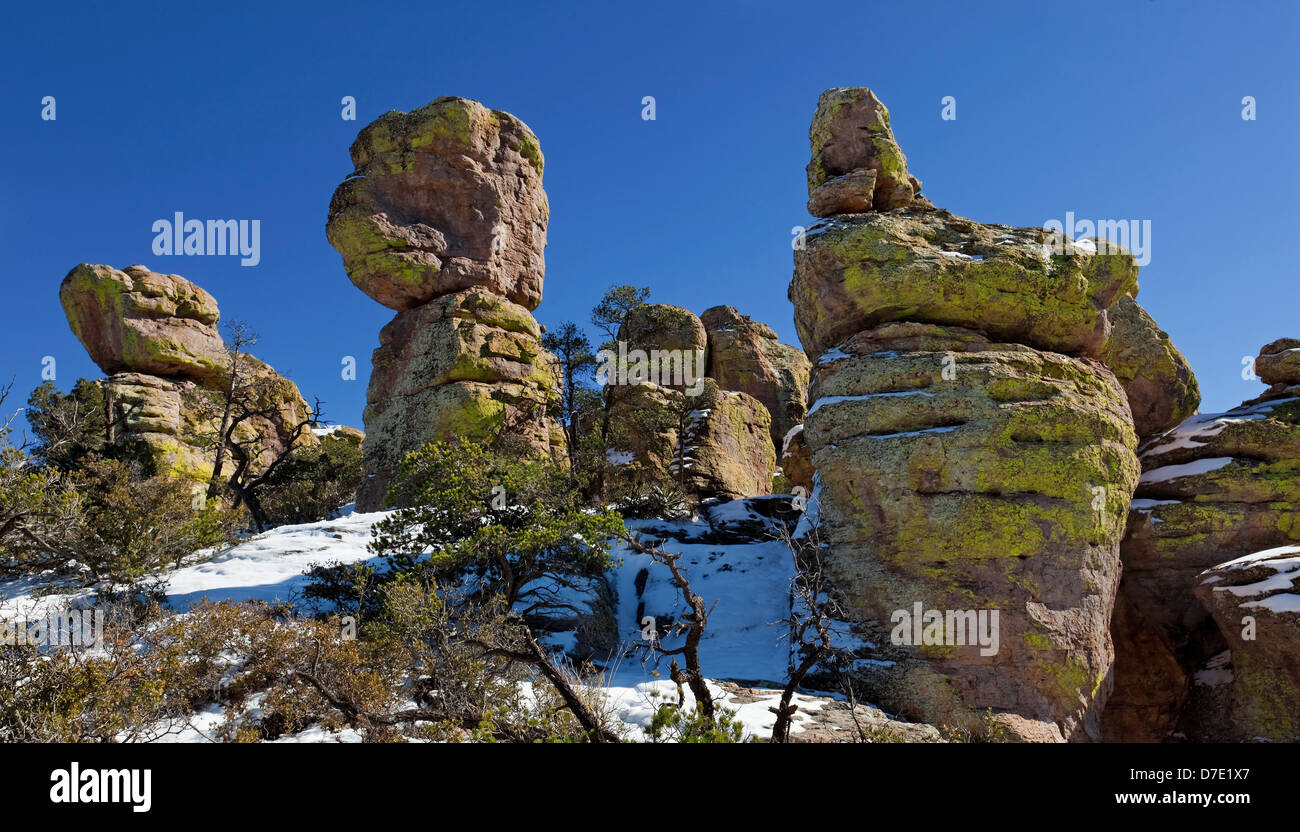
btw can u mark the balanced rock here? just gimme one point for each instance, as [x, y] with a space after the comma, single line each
[442, 199]
[1220, 485]
[1279, 362]
[1159, 383]
[746, 355]
[856, 163]
[972, 457]
[468, 365]
[961, 474]
[133, 320]
[1255, 601]
[716, 443]
[1020, 285]
[156, 337]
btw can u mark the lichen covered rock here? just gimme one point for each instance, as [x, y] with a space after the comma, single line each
[856, 163]
[444, 198]
[714, 444]
[1279, 362]
[1220, 485]
[133, 320]
[959, 473]
[1255, 600]
[468, 364]
[1159, 383]
[746, 355]
[1019, 285]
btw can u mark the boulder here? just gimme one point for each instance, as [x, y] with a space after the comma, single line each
[156, 337]
[468, 364]
[714, 444]
[1159, 383]
[444, 198]
[1255, 601]
[856, 163]
[133, 320]
[1219, 485]
[745, 355]
[1020, 285]
[661, 326]
[1279, 362]
[961, 474]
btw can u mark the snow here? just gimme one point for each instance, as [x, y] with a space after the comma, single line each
[270, 566]
[1204, 426]
[832, 355]
[1187, 469]
[789, 435]
[1143, 504]
[746, 638]
[614, 457]
[1278, 592]
[1217, 670]
[826, 400]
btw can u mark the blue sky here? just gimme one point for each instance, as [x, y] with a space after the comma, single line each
[1128, 110]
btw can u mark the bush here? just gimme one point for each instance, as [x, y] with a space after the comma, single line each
[506, 526]
[315, 482]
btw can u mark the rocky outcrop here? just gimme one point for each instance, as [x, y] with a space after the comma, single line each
[666, 420]
[442, 199]
[156, 337]
[1255, 601]
[716, 443]
[1159, 383]
[1216, 487]
[444, 219]
[972, 457]
[467, 364]
[1019, 285]
[1278, 364]
[133, 320]
[856, 163]
[746, 355]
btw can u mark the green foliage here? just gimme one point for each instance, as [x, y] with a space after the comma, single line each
[614, 306]
[511, 526]
[314, 482]
[672, 724]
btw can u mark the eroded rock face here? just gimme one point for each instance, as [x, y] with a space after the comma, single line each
[856, 163]
[468, 364]
[156, 336]
[133, 320]
[746, 355]
[1019, 285]
[1001, 484]
[1279, 362]
[1217, 486]
[1255, 601]
[970, 453]
[444, 219]
[1159, 383]
[443, 198]
[714, 444]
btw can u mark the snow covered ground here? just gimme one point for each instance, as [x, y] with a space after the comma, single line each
[748, 574]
